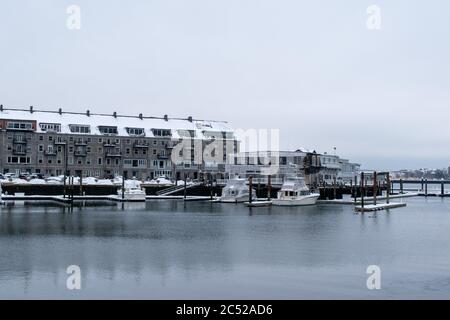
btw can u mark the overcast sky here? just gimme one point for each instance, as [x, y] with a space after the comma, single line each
[310, 68]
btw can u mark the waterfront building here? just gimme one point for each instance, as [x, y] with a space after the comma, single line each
[108, 145]
[314, 167]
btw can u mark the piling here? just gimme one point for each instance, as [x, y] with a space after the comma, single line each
[123, 187]
[250, 182]
[401, 186]
[362, 191]
[269, 186]
[185, 191]
[375, 185]
[334, 188]
[211, 186]
[426, 187]
[356, 187]
[442, 188]
[388, 188]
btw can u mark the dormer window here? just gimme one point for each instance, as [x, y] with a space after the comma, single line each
[50, 127]
[108, 130]
[79, 128]
[19, 125]
[186, 133]
[162, 132]
[137, 132]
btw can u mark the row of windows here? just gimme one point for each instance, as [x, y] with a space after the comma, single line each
[19, 125]
[134, 163]
[19, 160]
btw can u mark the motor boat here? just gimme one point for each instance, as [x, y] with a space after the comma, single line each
[236, 190]
[294, 192]
[132, 191]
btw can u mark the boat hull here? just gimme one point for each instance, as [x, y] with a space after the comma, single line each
[239, 199]
[298, 201]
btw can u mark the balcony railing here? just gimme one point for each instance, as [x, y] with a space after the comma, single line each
[80, 153]
[113, 154]
[140, 145]
[19, 141]
[19, 152]
[162, 156]
[50, 152]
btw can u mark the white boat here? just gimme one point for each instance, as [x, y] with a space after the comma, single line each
[132, 191]
[236, 190]
[294, 192]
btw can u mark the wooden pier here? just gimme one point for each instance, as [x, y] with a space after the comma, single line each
[378, 207]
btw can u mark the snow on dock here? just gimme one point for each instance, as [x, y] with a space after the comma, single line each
[381, 206]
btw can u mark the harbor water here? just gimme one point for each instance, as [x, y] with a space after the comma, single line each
[200, 250]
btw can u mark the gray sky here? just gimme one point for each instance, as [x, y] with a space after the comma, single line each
[310, 68]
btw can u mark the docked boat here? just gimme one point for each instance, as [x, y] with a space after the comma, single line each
[236, 190]
[132, 191]
[294, 192]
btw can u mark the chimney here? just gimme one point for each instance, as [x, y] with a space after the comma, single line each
[1, 108]
[31, 109]
[141, 116]
[190, 119]
[115, 114]
[166, 117]
[88, 113]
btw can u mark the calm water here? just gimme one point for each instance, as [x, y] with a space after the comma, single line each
[201, 250]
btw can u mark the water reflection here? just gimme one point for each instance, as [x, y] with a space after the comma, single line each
[172, 244]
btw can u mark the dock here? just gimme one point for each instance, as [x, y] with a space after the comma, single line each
[381, 206]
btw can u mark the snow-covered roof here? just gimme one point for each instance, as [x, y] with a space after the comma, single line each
[65, 119]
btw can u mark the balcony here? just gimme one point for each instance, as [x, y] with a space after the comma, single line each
[140, 145]
[19, 152]
[19, 141]
[60, 143]
[109, 144]
[80, 143]
[162, 157]
[79, 153]
[112, 154]
[50, 152]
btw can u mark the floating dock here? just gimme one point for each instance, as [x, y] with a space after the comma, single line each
[381, 206]
[258, 203]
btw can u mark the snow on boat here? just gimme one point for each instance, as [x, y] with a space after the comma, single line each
[132, 191]
[294, 192]
[235, 191]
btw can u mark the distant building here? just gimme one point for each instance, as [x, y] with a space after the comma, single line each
[316, 168]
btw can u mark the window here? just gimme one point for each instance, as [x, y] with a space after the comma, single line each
[41, 138]
[162, 132]
[80, 128]
[100, 161]
[18, 160]
[88, 161]
[50, 127]
[19, 125]
[135, 131]
[107, 130]
[41, 148]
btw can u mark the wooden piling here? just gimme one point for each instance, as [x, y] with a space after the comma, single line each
[362, 190]
[123, 187]
[426, 187]
[401, 186]
[442, 188]
[375, 185]
[269, 186]
[185, 191]
[334, 188]
[250, 187]
[388, 187]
